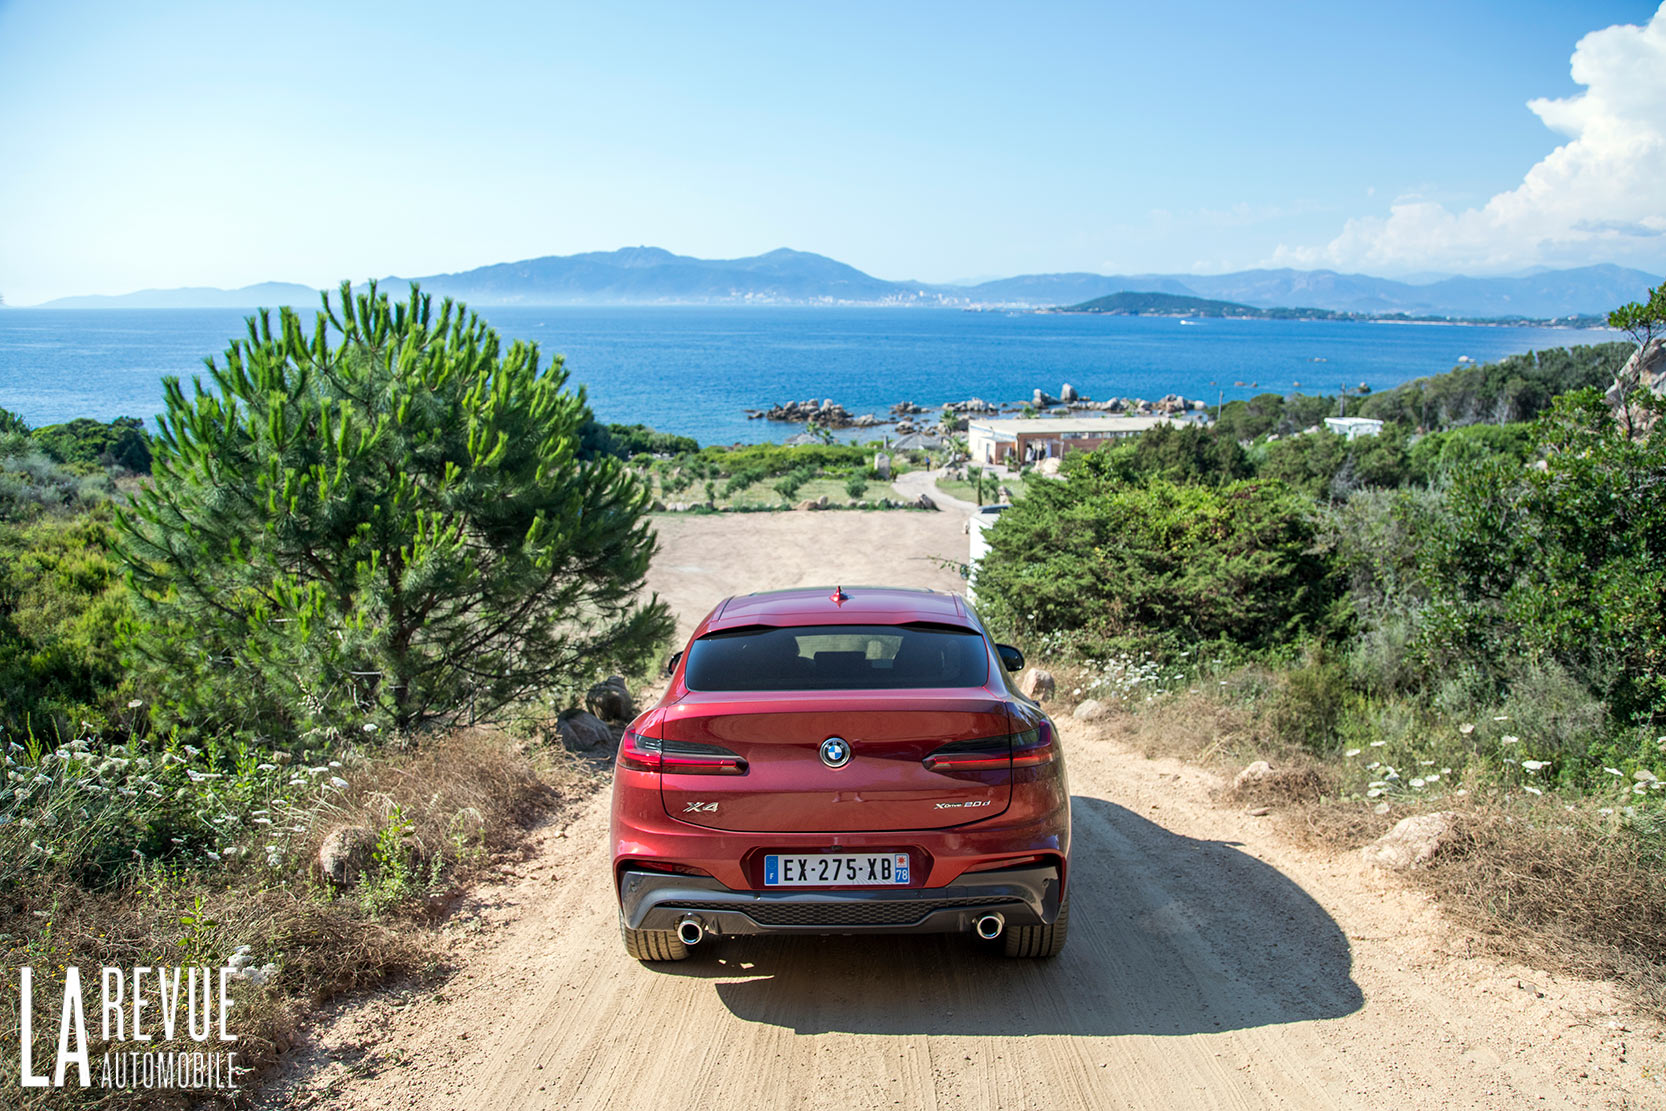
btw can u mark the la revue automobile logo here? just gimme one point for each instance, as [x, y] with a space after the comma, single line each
[131, 1010]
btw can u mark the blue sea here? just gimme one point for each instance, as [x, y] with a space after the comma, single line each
[694, 371]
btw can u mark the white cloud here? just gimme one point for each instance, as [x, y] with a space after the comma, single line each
[1599, 197]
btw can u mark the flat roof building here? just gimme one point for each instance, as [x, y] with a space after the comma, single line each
[1352, 428]
[1015, 442]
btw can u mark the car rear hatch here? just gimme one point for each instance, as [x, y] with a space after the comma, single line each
[837, 728]
[791, 745]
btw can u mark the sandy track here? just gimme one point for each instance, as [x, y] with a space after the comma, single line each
[1211, 964]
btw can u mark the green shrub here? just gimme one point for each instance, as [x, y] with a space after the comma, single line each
[62, 601]
[122, 443]
[1567, 562]
[1157, 564]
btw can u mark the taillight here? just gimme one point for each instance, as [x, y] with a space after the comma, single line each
[1028, 749]
[639, 753]
[689, 758]
[981, 755]
[1033, 747]
[647, 754]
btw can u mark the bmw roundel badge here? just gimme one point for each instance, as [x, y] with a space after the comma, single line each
[835, 752]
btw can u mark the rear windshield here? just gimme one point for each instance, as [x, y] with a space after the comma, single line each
[837, 657]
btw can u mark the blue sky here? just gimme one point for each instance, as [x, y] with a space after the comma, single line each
[222, 144]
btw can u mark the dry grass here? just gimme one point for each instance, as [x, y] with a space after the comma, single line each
[466, 800]
[1572, 891]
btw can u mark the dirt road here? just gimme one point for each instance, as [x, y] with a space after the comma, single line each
[1211, 963]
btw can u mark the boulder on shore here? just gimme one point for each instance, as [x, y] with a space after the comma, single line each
[1258, 772]
[581, 731]
[345, 854]
[1037, 683]
[1413, 842]
[1646, 369]
[610, 700]
[1089, 709]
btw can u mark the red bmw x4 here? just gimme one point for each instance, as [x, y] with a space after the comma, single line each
[841, 762]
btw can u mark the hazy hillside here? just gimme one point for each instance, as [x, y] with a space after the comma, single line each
[1129, 303]
[650, 275]
[195, 297]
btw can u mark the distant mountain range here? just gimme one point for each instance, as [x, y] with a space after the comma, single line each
[651, 276]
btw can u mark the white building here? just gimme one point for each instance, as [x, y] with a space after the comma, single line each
[1352, 428]
[1014, 442]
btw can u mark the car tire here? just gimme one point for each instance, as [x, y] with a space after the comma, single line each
[652, 945]
[1039, 941]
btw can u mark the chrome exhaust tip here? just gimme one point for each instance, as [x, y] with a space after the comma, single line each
[989, 927]
[691, 931]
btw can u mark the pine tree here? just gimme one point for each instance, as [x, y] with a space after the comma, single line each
[396, 528]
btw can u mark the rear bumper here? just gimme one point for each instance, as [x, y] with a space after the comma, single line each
[1023, 896]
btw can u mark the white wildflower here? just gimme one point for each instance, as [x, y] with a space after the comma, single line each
[135, 703]
[1534, 790]
[1509, 739]
[338, 783]
[1351, 752]
[1467, 728]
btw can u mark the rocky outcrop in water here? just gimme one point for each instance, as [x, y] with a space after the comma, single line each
[826, 412]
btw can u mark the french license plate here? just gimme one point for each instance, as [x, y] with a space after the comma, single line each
[836, 870]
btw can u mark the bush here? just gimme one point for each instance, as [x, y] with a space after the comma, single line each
[33, 485]
[1157, 565]
[123, 443]
[61, 602]
[1567, 562]
[1517, 388]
